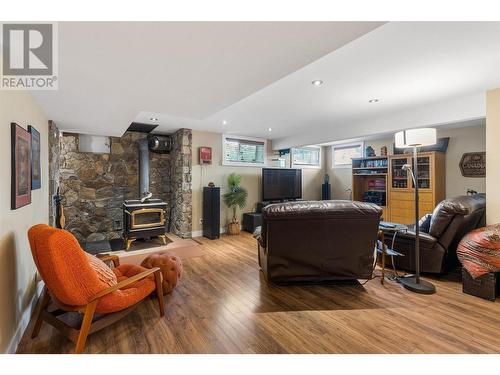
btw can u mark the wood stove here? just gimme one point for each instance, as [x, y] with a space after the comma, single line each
[144, 220]
[144, 217]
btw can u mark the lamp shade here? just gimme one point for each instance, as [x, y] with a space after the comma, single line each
[415, 137]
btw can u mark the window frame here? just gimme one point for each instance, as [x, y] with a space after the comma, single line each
[239, 163]
[320, 160]
[360, 144]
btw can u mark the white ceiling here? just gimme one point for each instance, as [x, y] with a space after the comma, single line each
[257, 76]
[113, 73]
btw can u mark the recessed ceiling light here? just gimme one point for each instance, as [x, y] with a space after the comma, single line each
[153, 119]
[317, 82]
[224, 122]
[373, 101]
[270, 129]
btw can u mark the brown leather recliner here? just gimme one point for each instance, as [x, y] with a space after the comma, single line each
[318, 240]
[449, 222]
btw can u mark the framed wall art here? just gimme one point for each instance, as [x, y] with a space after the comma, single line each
[20, 167]
[205, 155]
[36, 173]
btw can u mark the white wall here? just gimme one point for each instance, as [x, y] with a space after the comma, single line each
[466, 139]
[17, 271]
[493, 156]
[251, 178]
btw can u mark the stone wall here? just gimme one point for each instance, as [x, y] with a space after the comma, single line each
[95, 185]
[182, 213]
[54, 152]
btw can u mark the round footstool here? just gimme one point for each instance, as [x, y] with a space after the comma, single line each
[170, 266]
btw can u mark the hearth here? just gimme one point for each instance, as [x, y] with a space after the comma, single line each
[144, 220]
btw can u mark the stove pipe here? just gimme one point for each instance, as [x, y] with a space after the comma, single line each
[143, 168]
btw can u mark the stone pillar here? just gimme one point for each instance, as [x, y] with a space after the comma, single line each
[182, 213]
[54, 152]
[492, 156]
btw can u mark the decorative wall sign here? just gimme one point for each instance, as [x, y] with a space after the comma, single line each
[36, 173]
[20, 167]
[473, 164]
[205, 155]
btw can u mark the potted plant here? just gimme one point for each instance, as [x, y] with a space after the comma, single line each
[236, 197]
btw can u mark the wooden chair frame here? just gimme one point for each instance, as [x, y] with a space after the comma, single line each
[50, 308]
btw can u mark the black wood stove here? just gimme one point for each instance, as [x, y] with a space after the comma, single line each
[144, 220]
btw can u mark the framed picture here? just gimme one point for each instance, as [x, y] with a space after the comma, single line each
[36, 173]
[20, 167]
[205, 155]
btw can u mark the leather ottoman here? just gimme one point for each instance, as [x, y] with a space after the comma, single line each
[170, 266]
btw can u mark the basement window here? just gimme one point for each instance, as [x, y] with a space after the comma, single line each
[243, 151]
[342, 154]
[306, 157]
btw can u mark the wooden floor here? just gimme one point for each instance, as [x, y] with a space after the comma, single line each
[223, 305]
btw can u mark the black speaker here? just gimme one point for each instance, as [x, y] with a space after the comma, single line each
[325, 192]
[211, 212]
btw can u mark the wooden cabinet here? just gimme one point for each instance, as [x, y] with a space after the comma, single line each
[431, 184]
[382, 180]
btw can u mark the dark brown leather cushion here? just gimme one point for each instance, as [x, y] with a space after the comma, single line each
[321, 209]
[443, 215]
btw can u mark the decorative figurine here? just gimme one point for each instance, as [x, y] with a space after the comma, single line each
[369, 151]
[326, 178]
[383, 151]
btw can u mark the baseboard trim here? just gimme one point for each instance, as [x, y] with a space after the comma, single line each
[25, 319]
[199, 233]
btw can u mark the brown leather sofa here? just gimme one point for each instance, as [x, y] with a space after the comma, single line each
[449, 222]
[318, 240]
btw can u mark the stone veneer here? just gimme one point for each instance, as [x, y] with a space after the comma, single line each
[94, 185]
[54, 152]
[182, 213]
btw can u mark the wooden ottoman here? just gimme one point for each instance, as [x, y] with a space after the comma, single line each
[170, 266]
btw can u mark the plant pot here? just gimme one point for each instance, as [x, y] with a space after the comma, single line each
[233, 228]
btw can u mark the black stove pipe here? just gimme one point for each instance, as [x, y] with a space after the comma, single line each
[143, 168]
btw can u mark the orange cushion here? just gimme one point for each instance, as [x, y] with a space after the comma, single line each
[104, 273]
[129, 295]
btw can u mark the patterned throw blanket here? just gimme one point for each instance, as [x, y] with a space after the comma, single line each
[479, 250]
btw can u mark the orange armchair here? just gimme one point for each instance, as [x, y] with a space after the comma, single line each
[72, 285]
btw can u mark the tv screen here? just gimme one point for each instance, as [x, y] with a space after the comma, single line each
[279, 184]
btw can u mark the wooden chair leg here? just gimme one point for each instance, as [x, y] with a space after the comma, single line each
[86, 323]
[44, 302]
[159, 292]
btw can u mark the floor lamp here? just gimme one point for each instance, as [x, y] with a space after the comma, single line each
[415, 138]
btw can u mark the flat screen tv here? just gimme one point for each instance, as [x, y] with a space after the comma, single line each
[281, 184]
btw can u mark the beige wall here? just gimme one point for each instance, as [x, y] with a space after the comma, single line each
[17, 270]
[493, 156]
[251, 178]
[466, 139]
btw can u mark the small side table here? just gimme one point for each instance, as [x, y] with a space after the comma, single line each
[382, 249]
[251, 220]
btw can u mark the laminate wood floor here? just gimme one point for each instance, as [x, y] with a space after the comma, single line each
[224, 305]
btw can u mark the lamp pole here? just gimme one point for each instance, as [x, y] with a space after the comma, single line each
[417, 217]
[414, 282]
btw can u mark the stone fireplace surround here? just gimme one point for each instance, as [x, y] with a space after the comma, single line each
[94, 185]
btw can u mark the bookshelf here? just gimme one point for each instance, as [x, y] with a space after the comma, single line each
[381, 180]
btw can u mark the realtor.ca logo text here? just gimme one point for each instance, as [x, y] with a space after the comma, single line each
[29, 56]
